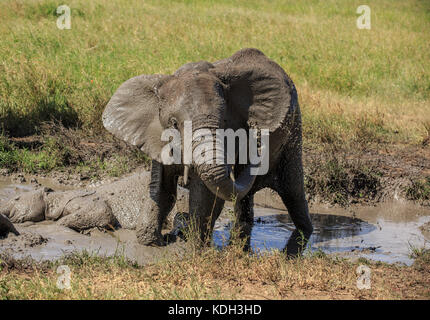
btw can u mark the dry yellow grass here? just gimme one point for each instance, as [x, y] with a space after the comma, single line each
[330, 116]
[212, 274]
[341, 72]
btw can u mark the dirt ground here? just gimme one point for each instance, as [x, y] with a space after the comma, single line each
[340, 178]
[335, 175]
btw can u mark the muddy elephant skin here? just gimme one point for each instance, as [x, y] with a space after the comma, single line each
[112, 205]
[247, 90]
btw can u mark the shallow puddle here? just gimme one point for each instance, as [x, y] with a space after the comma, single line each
[384, 233]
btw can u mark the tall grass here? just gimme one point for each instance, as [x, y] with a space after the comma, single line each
[350, 82]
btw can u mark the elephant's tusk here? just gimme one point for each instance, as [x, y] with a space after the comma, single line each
[232, 174]
[186, 171]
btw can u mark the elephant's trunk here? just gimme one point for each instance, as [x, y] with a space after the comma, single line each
[217, 174]
[217, 179]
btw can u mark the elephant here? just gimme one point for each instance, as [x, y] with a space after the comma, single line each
[112, 205]
[6, 227]
[245, 91]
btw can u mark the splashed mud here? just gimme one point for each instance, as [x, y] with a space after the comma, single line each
[384, 233]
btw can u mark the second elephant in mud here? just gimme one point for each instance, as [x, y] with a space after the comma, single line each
[112, 205]
[245, 91]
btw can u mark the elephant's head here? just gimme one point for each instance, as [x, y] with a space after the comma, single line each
[243, 91]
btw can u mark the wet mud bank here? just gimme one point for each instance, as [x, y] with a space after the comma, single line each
[367, 174]
[386, 232]
[50, 241]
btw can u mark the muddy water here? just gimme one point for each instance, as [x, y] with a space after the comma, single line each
[8, 188]
[47, 240]
[384, 233]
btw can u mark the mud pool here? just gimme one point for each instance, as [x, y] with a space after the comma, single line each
[383, 233]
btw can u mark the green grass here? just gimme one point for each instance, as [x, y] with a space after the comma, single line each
[50, 157]
[365, 85]
[91, 157]
[419, 252]
[113, 167]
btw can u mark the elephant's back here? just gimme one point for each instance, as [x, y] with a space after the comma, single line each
[126, 197]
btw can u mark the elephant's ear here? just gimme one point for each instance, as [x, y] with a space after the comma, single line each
[132, 113]
[259, 90]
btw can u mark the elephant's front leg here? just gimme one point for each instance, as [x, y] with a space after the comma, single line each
[162, 191]
[204, 209]
[244, 215]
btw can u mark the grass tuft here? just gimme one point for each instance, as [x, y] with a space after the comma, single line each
[419, 189]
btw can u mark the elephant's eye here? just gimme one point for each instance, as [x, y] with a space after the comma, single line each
[173, 123]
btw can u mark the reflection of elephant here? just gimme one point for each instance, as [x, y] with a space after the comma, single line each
[245, 91]
[331, 226]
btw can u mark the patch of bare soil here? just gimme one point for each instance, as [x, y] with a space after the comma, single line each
[82, 156]
[368, 175]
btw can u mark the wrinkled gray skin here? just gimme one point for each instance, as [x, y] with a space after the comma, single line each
[247, 90]
[6, 227]
[112, 205]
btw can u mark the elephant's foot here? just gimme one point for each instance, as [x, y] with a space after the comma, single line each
[149, 236]
[295, 201]
[297, 244]
[242, 228]
[180, 229]
[150, 221]
[240, 235]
